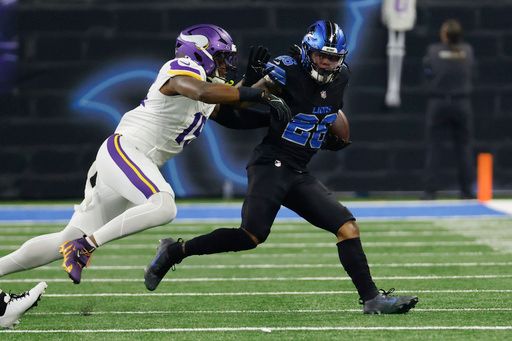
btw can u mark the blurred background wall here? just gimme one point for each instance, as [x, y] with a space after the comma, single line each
[81, 64]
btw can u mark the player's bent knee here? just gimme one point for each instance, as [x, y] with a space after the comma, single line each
[246, 240]
[348, 230]
[257, 237]
[252, 237]
[166, 209]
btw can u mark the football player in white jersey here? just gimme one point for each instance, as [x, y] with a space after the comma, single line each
[125, 192]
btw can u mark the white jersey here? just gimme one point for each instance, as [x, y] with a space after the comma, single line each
[399, 15]
[162, 125]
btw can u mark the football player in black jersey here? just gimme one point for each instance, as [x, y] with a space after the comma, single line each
[312, 83]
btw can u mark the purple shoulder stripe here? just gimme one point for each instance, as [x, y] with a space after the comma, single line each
[180, 66]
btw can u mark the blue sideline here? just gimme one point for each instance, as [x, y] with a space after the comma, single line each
[187, 212]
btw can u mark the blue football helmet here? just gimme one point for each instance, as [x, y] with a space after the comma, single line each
[326, 38]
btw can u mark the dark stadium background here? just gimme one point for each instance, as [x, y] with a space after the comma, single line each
[69, 48]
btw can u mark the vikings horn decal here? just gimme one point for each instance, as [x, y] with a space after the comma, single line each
[199, 40]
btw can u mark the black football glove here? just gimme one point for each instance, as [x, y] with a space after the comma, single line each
[258, 57]
[278, 107]
[295, 52]
[333, 142]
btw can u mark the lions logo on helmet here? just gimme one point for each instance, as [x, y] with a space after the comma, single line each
[323, 50]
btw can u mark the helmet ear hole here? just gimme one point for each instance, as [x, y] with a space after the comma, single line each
[198, 57]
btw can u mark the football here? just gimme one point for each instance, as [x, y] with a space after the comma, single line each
[340, 127]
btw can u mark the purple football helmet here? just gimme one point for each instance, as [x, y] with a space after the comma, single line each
[207, 45]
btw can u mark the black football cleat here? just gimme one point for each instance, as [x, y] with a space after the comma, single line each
[163, 262]
[384, 303]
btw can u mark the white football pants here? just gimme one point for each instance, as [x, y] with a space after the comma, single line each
[125, 193]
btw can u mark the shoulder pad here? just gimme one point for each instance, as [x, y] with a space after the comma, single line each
[345, 72]
[285, 60]
[186, 67]
[277, 67]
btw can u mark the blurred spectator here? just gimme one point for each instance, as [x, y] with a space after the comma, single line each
[448, 69]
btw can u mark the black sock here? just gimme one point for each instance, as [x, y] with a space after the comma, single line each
[220, 240]
[354, 262]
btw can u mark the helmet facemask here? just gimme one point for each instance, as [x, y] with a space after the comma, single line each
[324, 66]
[225, 67]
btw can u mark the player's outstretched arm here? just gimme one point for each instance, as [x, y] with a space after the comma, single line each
[215, 93]
[241, 118]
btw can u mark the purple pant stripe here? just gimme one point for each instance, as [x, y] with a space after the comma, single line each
[127, 170]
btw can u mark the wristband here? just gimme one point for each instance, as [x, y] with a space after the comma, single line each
[250, 94]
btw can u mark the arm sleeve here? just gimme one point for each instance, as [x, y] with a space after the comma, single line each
[276, 69]
[247, 118]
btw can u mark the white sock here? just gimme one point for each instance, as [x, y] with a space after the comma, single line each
[91, 242]
[158, 210]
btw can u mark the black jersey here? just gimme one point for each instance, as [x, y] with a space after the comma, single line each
[314, 107]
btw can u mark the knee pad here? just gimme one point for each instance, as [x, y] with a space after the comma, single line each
[165, 206]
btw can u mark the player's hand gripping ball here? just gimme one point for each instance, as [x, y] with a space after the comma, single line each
[340, 127]
[338, 136]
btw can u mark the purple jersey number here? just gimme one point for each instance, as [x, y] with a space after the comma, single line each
[194, 128]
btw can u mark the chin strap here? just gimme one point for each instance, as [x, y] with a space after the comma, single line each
[324, 78]
[321, 78]
[216, 78]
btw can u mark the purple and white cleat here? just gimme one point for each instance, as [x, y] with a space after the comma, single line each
[77, 254]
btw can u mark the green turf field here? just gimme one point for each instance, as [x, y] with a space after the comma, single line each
[290, 288]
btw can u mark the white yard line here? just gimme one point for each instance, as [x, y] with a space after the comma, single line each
[290, 220]
[333, 254]
[276, 293]
[254, 279]
[287, 266]
[296, 311]
[266, 329]
[274, 236]
[300, 245]
[278, 227]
